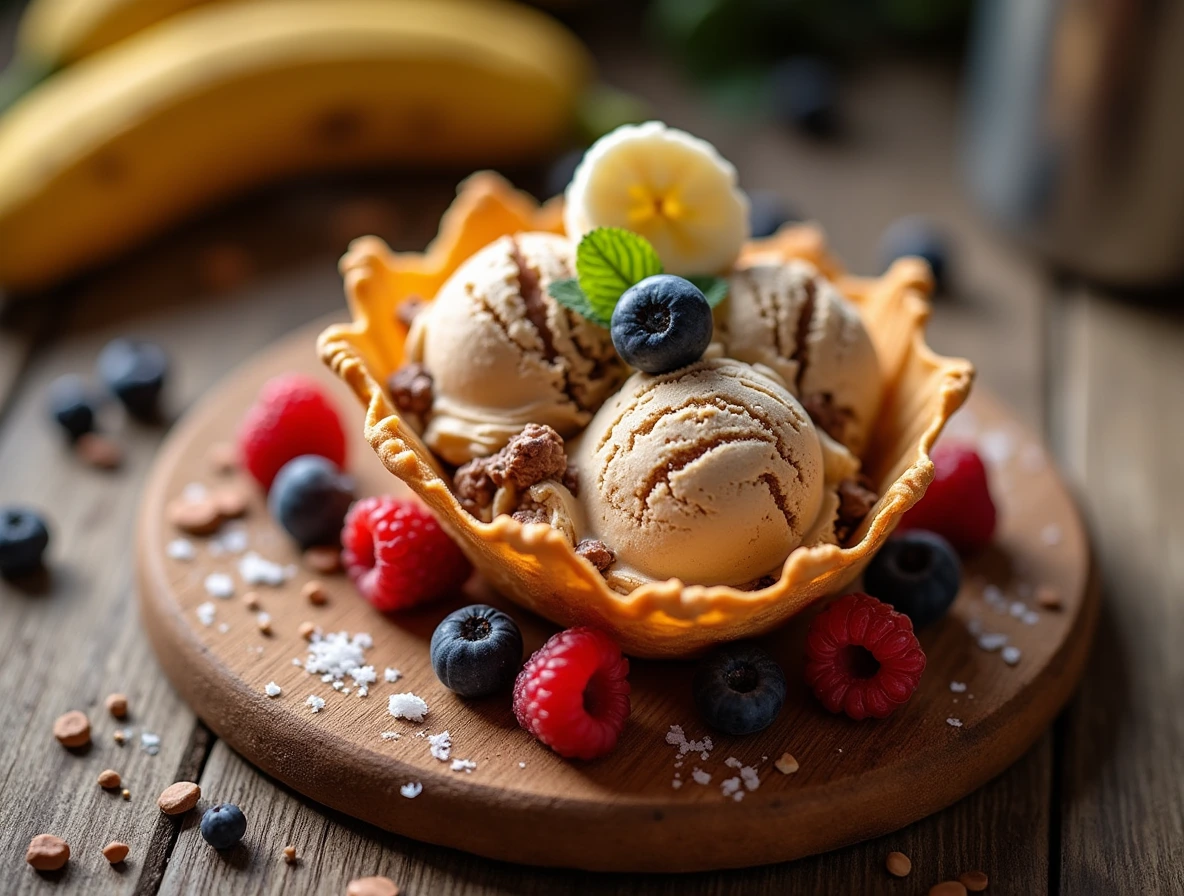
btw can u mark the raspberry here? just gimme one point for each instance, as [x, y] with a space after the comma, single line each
[862, 657]
[292, 416]
[397, 554]
[573, 693]
[958, 504]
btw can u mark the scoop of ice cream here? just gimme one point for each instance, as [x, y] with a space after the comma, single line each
[712, 474]
[787, 316]
[502, 353]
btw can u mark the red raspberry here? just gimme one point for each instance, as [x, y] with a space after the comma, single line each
[397, 554]
[573, 693]
[862, 657]
[292, 416]
[958, 504]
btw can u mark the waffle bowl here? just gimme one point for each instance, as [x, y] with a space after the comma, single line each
[533, 564]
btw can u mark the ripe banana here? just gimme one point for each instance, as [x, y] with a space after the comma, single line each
[226, 96]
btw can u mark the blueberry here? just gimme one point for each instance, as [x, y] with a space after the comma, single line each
[561, 171]
[73, 405]
[919, 236]
[918, 572]
[135, 373]
[768, 212]
[23, 540]
[739, 689]
[309, 498]
[223, 825]
[661, 324]
[805, 94]
[477, 651]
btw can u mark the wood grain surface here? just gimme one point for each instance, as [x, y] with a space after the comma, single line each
[1094, 808]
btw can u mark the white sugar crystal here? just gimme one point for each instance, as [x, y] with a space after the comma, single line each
[738, 795]
[363, 691]
[296, 661]
[363, 675]
[1051, 534]
[675, 736]
[411, 790]
[256, 570]
[1017, 609]
[730, 786]
[1031, 617]
[336, 655]
[315, 703]
[205, 613]
[363, 640]
[231, 539]
[993, 595]
[440, 745]
[733, 762]
[345, 691]
[326, 678]
[463, 765]
[181, 549]
[272, 689]
[1011, 655]
[997, 446]
[992, 641]
[149, 742]
[407, 706]
[193, 492]
[750, 777]
[337, 685]
[676, 784]
[390, 735]
[263, 620]
[701, 777]
[223, 627]
[390, 676]
[958, 687]
[954, 723]
[220, 585]
[522, 765]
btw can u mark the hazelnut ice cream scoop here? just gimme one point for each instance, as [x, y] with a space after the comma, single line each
[789, 317]
[711, 474]
[502, 353]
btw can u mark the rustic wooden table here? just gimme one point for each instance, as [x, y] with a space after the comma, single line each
[1097, 806]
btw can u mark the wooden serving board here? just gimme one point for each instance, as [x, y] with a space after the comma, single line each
[639, 809]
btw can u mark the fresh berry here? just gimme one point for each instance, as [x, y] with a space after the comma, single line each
[397, 554]
[310, 498]
[476, 651]
[958, 504]
[919, 237]
[862, 657]
[573, 693]
[73, 405]
[23, 540]
[805, 94]
[739, 689]
[768, 213]
[223, 825]
[561, 171]
[918, 573]
[661, 324]
[135, 373]
[292, 416]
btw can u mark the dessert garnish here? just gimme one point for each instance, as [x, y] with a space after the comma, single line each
[862, 658]
[534, 455]
[179, 798]
[223, 825]
[309, 498]
[661, 324]
[397, 554]
[135, 373]
[958, 504]
[23, 540]
[573, 693]
[47, 852]
[918, 573]
[739, 688]
[292, 416]
[73, 405]
[476, 651]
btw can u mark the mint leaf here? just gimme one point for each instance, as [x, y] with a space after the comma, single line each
[608, 261]
[714, 289]
[568, 294]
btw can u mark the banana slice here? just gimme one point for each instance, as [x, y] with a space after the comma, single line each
[674, 189]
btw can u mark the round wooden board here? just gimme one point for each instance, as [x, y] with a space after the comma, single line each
[640, 809]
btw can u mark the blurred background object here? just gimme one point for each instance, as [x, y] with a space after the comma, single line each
[1076, 131]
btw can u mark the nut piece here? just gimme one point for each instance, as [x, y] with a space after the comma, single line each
[290, 855]
[263, 623]
[47, 852]
[947, 888]
[1049, 598]
[231, 502]
[787, 765]
[323, 560]
[119, 736]
[126, 794]
[974, 881]
[597, 553]
[109, 779]
[307, 630]
[898, 864]
[223, 457]
[72, 729]
[179, 798]
[115, 852]
[315, 593]
[251, 600]
[372, 886]
[117, 705]
[194, 517]
[99, 451]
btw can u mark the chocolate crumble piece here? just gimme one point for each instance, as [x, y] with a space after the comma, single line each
[474, 489]
[827, 416]
[411, 389]
[571, 481]
[597, 553]
[856, 499]
[533, 455]
[531, 514]
[409, 309]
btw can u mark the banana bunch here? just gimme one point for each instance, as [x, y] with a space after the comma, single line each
[227, 95]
